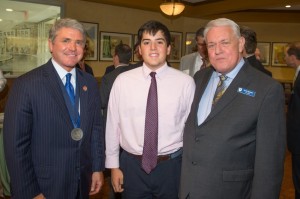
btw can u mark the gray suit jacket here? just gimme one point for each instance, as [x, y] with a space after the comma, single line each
[41, 155]
[188, 62]
[238, 151]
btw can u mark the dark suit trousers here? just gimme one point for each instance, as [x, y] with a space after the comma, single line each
[296, 174]
[162, 182]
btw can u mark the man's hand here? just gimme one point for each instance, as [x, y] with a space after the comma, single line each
[117, 180]
[97, 182]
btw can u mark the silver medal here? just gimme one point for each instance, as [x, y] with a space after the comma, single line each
[77, 134]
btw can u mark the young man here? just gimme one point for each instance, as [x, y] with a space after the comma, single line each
[234, 138]
[53, 145]
[142, 172]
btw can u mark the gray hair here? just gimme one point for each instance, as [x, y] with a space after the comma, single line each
[222, 22]
[66, 23]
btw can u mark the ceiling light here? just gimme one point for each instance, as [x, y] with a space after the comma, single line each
[288, 6]
[9, 10]
[0, 19]
[172, 7]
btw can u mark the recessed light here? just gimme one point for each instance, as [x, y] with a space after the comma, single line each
[288, 6]
[0, 19]
[9, 10]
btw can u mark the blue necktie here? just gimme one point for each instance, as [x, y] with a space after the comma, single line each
[70, 89]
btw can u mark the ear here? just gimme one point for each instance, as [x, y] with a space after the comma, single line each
[169, 50]
[50, 44]
[241, 44]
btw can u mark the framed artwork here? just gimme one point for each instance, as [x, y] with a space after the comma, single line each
[190, 43]
[176, 41]
[264, 49]
[109, 40]
[135, 59]
[278, 53]
[91, 40]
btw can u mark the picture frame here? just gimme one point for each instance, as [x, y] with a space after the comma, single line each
[176, 45]
[92, 30]
[135, 38]
[278, 53]
[190, 42]
[265, 52]
[108, 42]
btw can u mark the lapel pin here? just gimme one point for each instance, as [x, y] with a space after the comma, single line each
[84, 88]
[246, 92]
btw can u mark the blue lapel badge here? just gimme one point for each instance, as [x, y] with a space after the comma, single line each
[246, 92]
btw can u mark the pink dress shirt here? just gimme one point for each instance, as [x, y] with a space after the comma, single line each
[127, 108]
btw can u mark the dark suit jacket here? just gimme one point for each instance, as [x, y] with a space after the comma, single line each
[238, 151]
[109, 69]
[293, 116]
[258, 65]
[41, 155]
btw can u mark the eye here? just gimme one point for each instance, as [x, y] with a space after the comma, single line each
[145, 42]
[66, 41]
[211, 46]
[225, 43]
[79, 43]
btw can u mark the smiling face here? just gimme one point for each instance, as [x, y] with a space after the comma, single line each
[224, 48]
[154, 50]
[67, 48]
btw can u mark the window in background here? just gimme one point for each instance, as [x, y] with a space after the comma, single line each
[24, 34]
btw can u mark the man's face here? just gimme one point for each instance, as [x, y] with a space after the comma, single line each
[290, 59]
[224, 48]
[67, 48]
[201, 46]
[154, 50]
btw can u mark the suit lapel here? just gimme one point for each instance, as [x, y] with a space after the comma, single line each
[52, 84]
[241, 80]
[82, 89]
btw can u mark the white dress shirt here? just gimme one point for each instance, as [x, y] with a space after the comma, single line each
[127, 109]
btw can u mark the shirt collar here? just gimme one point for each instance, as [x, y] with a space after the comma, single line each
[61, 71]
[235, 71]
[159, 72]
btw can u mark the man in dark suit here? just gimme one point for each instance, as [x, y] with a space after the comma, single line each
[249, 49]
[53, 145]
[292, 58]
[234, 141]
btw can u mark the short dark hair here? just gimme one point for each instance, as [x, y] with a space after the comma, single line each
[152, 27]
[294, 49]
[199, 32]
[250, 39]
[124, 52]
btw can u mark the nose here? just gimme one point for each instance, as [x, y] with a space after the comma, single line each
[152, 46]
[218, 48]
[72, 45]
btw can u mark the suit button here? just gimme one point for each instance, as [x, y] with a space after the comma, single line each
[194, 163]
[197, 139]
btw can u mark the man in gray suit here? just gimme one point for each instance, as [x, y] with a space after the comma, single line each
[233, 147]
[193, 62]
[54, 144]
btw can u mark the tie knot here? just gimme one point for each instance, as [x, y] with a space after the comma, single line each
[152, 74]
[223, 78]
[68, 77]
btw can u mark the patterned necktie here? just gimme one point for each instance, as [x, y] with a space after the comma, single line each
[203, 64]
[149, 157]
[70, 89]
[220, 90]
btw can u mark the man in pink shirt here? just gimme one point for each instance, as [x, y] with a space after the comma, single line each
[126, 120]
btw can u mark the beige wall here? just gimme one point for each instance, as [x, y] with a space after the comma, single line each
[126, 20]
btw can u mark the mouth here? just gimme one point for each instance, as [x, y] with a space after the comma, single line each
[153, 55]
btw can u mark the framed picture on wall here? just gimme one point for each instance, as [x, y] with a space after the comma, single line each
[135, 58]
[278, 53]
[91, 40]
[265, 51]
[190, 43]
[109, 40]
[176, 41]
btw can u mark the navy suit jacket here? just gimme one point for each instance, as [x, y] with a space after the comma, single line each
[41, 155]
[293, 115]
[238, 151]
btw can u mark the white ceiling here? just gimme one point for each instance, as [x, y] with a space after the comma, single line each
[24, 12]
